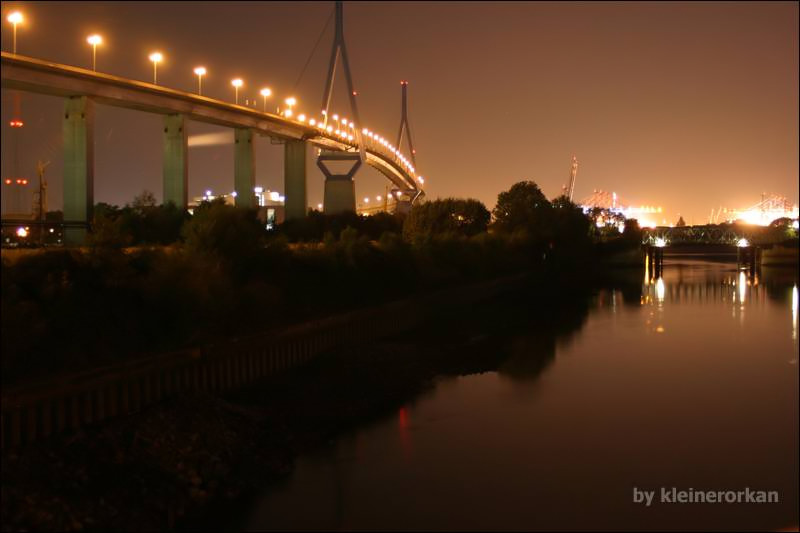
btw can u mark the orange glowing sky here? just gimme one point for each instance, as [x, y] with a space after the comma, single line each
[690, 106]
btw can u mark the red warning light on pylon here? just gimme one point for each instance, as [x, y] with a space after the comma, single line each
[15, 124]
[8, 182]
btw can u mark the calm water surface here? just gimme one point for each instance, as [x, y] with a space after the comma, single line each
[690, 383]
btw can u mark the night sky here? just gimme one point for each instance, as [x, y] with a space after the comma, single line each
[688, 106]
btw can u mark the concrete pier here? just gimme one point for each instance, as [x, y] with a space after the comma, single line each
[78, 135]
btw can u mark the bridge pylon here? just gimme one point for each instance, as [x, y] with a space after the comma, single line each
[339, 187]
[404, 126]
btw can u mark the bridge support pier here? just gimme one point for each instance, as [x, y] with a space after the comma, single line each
[403, 201]
[403, 206]
[78, 135]
[244, 168]
[655, 261]
[340, 189]
[294, 179]
[749, 257]
[340, 195]
[176, 161]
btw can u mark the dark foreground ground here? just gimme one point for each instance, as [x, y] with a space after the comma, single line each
[192, 462]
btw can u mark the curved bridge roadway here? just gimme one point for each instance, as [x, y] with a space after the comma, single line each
[37, 76]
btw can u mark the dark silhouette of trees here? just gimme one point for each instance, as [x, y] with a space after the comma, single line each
[523, 209]
[450, 216]
[223, 232]
[632, 232]
[315, 226]
[140, 222]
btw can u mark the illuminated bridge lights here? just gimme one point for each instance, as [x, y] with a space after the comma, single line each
[346, 131]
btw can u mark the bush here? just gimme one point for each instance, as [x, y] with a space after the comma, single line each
[450, 216]
[226, 233]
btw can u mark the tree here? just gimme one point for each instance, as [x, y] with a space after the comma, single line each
[108, 229]
[449, 216]
[632, 232]
[144, 200]
[522, 208]
[229, 233]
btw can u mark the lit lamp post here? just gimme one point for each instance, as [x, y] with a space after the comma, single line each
[266, 92]
[15, 18]
[156, 58]
[236, 84]
[291, 101]
[200, 71]
[94, 40]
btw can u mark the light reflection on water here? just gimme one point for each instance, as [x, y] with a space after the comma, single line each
[691, 382]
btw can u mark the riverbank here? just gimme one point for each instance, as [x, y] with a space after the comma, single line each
[70, 310]
[193, 456]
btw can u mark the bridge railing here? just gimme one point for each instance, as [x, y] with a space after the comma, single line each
[722, 234]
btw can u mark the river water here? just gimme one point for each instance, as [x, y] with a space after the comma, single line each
[689, 381]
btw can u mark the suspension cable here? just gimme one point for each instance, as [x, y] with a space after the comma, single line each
[313, 50]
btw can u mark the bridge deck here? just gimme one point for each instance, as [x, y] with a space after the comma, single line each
[42, 77]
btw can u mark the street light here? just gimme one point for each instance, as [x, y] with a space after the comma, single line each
[266, 92]
[200, 71]
[156, 58]
[236, 84]
[15, 18]
[291, 101]
[94, 40]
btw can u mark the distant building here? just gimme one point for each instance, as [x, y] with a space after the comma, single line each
[271, 209]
